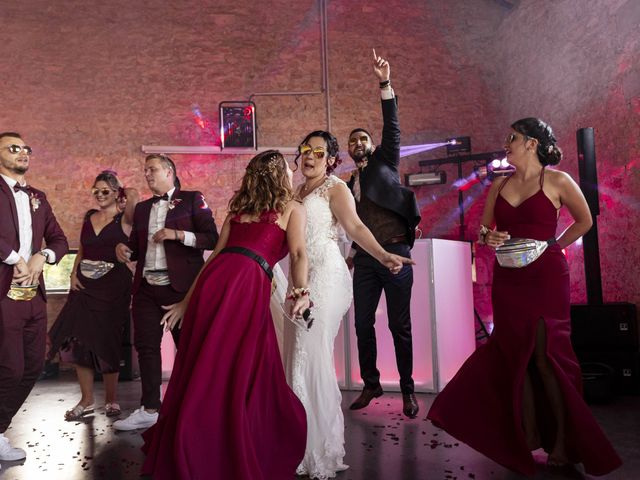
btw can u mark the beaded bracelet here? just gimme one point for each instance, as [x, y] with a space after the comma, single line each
[297, 292]
[482, 234]
[385, 84]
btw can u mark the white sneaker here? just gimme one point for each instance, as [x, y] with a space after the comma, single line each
[138, 419]
[8, 453]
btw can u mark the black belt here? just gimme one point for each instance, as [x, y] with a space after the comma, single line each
[396, 239]
[254, 256]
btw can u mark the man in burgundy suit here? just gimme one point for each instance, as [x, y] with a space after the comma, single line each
[170, 232]
[26, 219]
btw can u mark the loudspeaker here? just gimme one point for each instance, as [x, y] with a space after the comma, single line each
[625, 366]
[598, 382]
[610, 326]
[587, 168]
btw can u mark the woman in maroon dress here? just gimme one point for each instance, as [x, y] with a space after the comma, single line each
[228, 412]
[88, 331]
[522, 390]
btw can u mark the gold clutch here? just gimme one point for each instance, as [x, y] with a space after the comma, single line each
[22, 293]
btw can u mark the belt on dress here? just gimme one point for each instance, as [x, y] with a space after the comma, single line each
[252, 255]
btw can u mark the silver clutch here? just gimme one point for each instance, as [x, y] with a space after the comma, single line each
[95, 268]
[520, 252]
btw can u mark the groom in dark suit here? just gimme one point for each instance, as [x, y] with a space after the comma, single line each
[26, 221]
[390, 211]
[169, 234]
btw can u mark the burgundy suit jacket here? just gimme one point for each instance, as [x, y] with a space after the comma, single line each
[45, 228]
[190, 212]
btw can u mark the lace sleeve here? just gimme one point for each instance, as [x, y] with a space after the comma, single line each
[329, 183]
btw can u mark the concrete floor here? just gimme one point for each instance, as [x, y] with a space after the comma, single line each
[381, 444]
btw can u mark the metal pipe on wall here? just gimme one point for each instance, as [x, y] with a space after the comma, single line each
[324, 56]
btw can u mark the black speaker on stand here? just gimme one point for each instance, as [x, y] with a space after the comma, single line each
[604, 336]
[589, 185]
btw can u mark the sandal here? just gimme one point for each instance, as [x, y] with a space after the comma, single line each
[112, 409]
[77, 412]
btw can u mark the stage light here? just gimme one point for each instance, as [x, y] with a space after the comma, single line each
[504, 163]
[458, 145]
[431, 178]
[496, 163]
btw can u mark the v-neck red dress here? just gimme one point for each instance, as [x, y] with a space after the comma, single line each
[482, 405]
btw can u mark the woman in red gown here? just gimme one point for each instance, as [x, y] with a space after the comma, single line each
[522, 390]
[228, 412]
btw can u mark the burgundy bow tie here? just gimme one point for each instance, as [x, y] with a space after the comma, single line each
[157, 198]
[24, 188]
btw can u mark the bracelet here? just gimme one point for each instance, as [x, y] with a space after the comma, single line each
[482, 234]
[297, 292]
[385, 84]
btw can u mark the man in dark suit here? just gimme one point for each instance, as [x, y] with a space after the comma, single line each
[391, 213]
[26, 220]
[169, 234]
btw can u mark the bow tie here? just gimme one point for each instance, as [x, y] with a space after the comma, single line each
[157, 198]
[24, 188]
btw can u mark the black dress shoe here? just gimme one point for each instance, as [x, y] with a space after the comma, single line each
[366, 396]
[410, 405]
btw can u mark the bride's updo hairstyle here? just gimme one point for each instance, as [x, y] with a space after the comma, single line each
[548, 151]
[265, 186]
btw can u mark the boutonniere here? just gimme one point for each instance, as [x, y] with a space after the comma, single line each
[35, 202]
[174, 202]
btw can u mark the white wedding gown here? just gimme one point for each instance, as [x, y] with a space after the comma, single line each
[308, 354]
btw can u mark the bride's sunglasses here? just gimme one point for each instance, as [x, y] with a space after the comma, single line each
[318, 152]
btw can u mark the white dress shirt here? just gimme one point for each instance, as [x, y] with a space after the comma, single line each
[25, 227]
[156, 257]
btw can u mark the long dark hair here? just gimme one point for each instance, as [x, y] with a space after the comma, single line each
[548, 151]
[332, 147]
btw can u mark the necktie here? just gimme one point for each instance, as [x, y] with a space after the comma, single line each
[23, 188]
[157, 198]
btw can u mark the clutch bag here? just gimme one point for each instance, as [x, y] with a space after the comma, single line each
[95, 269]
[22, 293]
[520, 252]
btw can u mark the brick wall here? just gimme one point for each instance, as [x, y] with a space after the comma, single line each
[89, 83]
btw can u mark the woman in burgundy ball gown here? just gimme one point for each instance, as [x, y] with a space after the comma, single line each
[88, 331]
[522, 390]
[228, 412]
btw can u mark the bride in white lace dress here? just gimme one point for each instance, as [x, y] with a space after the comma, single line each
[308, 354]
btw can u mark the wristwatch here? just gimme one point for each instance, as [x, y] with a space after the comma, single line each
[45, 254]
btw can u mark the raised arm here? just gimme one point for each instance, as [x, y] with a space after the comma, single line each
[390, 144]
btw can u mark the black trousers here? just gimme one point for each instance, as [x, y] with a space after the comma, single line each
[370, 278]
[147, 313]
